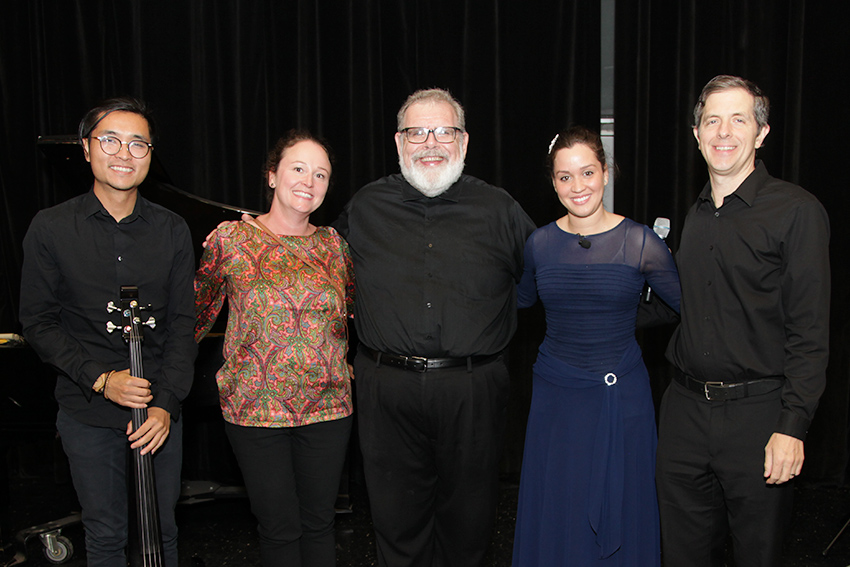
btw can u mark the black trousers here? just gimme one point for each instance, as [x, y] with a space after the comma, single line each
[99, 458]
[292, 476]
[710, 479]
[431, 443]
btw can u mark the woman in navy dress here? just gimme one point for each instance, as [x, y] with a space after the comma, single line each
[587, 494]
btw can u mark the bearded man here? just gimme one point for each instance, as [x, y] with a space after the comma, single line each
[437, 255]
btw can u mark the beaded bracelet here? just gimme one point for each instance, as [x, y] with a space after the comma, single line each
[106, 383]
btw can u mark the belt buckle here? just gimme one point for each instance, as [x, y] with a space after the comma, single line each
[705, 388]
[416, 363]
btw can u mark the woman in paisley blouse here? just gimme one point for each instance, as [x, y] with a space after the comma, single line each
[285, 387]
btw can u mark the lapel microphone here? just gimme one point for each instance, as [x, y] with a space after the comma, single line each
[583, 242]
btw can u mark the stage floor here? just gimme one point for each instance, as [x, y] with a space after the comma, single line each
[221, 532]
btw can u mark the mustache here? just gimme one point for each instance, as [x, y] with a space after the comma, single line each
[430, 152]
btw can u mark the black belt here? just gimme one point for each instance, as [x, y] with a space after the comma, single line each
[724, 391]
[422, 364]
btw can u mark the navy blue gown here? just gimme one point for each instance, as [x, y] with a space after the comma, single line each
[587, 493]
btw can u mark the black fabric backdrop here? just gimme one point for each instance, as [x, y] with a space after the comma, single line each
[226, 78]
[796, 51]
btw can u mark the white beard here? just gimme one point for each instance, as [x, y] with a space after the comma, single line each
[431, 183]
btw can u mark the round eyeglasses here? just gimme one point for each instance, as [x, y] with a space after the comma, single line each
[443, 134]
[112, 145]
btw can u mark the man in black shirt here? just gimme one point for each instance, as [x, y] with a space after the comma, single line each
[77, 255]
[751, 349]
[437, 256]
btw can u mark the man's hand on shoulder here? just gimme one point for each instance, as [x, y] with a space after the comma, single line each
[245, 217]
[783, 458]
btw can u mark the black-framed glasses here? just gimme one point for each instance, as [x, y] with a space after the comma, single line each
[443, 134]
[112, 145]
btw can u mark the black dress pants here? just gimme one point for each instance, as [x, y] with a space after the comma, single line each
[710, 479]
[292, 476]
[431, 443]
[99, 459]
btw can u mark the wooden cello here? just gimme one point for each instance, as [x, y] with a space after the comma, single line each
[147, 509]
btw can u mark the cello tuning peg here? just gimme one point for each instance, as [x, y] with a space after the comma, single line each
[151, 322]
[110, 307]
[110, 326]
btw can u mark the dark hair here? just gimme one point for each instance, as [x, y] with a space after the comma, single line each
[108, 106]
[284, 143]
[761, 104]
[572, 136]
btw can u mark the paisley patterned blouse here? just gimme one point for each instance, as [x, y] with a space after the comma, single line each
[287, 337]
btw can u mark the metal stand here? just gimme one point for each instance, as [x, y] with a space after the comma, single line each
[825, 552]
[57, 548]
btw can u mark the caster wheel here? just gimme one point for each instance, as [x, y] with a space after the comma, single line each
[63, 549]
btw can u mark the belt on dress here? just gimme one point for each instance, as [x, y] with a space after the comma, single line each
[422, 364]
[725, 391]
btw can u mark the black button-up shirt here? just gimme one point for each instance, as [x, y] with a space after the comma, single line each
[76, 258]
[755, 292]
[436, 277]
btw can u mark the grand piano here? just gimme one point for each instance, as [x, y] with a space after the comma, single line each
[28, 410]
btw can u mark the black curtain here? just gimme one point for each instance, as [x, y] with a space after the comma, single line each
[796, 52]
[226, 78]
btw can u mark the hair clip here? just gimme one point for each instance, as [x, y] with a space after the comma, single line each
[552, 143]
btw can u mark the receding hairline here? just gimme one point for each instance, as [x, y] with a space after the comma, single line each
[432, 103]
[432, 96]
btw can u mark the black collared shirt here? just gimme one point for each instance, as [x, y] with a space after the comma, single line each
[436, 277]
[76, 258]
[755, 292]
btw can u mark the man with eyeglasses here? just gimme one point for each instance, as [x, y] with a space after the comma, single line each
[77, 255]
[437, 255]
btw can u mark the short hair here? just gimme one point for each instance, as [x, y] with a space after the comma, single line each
[761, 104]
[285, 142]
[432, 96]
[572, 136]
[110, 105]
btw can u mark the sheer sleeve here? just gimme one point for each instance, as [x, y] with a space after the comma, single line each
[659, 269]
[527, 288]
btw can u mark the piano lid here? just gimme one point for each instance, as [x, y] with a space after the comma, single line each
[74, 176]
